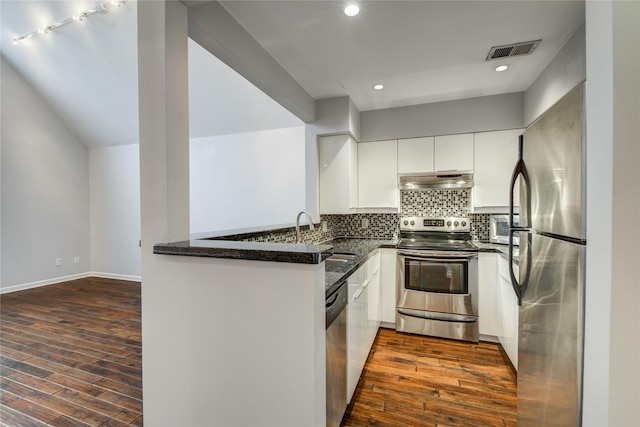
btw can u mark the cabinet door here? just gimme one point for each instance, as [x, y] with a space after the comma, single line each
[388, 259]
[373, 308]
[509, 312]
[495, 156]
[488, 315]
[356, 326]
[454, 152]
[378, 174]
[338, 177]
[415, 155]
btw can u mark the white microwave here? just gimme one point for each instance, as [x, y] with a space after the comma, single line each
[499, 229]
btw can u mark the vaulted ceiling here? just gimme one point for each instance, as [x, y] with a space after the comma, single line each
[422, 51]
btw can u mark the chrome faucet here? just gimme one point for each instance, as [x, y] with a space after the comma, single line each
[298, 238]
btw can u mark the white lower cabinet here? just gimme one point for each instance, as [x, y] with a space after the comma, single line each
[489, 322]
[509, 310]
[374, 297]
[388, 259]
[362, 322]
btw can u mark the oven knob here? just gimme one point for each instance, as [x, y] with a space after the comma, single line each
[448, 223]
[464, 224]
[413, 223]
[406, 222]
[456, 223]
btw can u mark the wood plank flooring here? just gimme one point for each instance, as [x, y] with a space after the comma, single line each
[71, 355]
[411, 380]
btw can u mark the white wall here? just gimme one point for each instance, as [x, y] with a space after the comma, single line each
[247, 180]
[566, 71]
[115, 211]
[625, 293]
[45, 190]
[612, 322]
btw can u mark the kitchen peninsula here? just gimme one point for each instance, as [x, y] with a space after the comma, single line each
[258, 326]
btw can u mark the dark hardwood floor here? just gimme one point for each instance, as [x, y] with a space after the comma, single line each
[71, 355]
[411, 380]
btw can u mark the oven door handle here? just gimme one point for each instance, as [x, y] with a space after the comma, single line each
[419, 257]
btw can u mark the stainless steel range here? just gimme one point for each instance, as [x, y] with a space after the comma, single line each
[437, 278]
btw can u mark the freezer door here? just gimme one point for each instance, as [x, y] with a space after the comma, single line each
[550, 342]
[553, 154]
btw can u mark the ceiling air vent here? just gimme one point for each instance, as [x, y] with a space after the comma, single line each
[514, 49]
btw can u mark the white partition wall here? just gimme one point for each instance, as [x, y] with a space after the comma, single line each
[247, 180]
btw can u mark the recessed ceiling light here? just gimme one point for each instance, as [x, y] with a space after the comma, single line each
[351, 10]
[378, 86]
[501, 68]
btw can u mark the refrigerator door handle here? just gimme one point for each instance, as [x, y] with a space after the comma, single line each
[520, 287]
[520, 170]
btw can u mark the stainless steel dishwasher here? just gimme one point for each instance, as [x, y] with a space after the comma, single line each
[336, 357]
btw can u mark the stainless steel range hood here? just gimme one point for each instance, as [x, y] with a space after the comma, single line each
[437, 180]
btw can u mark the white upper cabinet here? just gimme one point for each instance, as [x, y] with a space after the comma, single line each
[496, 154]
[454, 152]
[416, 155]
[378, 174]
[338, 166]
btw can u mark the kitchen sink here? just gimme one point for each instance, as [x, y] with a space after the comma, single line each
[345, 256]
[339, 259]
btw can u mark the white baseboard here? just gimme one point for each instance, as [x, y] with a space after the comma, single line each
[46, 282]
[489, 338]
[387, 325]
[24, 286]
[115, 276]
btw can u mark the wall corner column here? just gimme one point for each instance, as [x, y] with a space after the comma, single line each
[164, 185]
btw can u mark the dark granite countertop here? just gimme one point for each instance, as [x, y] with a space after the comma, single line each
[363, 248]
[503, 250]
[256, 251]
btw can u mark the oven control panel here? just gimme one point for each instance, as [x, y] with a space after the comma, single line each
[448, 224]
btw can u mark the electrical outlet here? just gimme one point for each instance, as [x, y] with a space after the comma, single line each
[365, 222]
[324, 226]
[58, 262]
[76, 260]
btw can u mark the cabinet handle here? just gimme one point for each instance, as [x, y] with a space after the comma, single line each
[366, 283]
[357, 294]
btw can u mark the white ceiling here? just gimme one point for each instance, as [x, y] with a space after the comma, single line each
[88, 73]
[422, 51]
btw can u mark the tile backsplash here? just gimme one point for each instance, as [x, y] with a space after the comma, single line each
[413, 203]
[384, 225]
[435, 203]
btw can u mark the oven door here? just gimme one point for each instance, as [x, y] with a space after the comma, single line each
[438, 281]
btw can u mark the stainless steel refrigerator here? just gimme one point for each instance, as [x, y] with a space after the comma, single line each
[551, 278]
